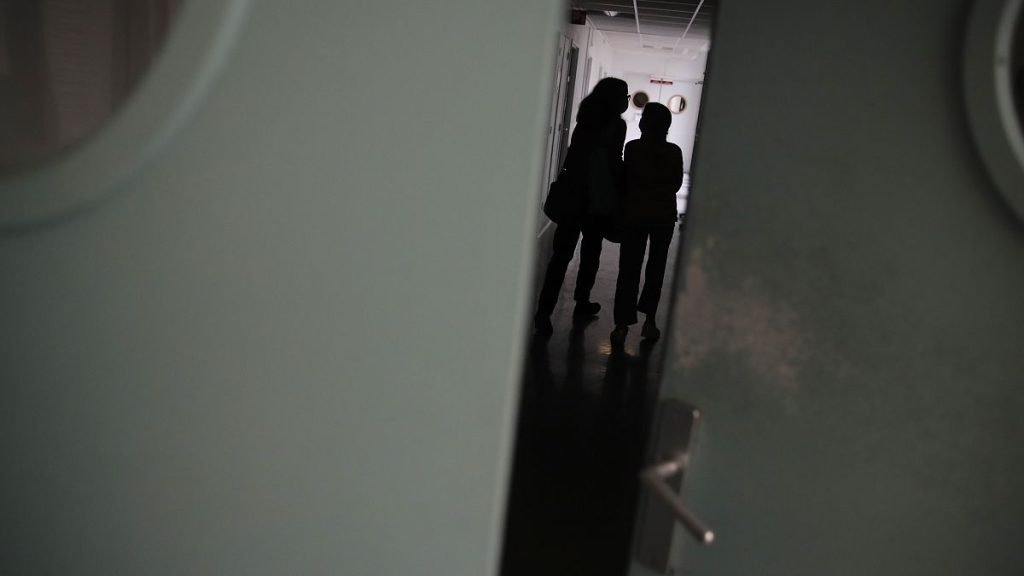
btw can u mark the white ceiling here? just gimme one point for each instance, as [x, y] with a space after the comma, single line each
[674, 46]
[669, 27]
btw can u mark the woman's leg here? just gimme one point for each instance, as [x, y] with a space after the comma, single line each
[590, 261]
[564, 246]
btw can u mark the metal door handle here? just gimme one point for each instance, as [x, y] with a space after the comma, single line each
[655, 476]
[673, 442]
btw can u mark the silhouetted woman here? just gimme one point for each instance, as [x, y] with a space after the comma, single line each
[654, 173]
[593, 165]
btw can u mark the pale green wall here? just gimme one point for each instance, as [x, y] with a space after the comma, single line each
[291, 343]
[849, 312]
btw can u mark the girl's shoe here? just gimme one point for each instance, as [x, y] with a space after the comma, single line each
[650, 331]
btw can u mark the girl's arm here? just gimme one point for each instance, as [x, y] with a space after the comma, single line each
[677, 168]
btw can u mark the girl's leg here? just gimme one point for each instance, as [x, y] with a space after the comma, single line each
[655, 273]
[631, 260]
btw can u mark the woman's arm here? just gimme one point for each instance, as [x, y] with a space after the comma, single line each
[618, 138]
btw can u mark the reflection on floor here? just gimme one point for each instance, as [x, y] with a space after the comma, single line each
[584, 415]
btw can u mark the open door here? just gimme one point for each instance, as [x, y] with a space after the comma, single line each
[847, 317]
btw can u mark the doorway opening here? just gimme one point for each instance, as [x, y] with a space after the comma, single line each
[588, 399]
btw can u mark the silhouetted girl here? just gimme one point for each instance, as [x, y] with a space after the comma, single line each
[654, 172]
[593, 165]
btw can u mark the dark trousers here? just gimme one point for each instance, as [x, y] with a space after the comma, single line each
[631, 260]
[566, 237]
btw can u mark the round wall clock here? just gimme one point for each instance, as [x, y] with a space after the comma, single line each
[677, 104]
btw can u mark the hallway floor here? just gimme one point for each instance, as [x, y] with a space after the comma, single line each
[581, 438]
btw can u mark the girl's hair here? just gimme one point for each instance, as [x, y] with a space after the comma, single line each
[604, 101]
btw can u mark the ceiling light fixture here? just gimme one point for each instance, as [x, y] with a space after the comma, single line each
[611, 13]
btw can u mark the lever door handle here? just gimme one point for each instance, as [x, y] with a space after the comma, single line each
[673, 441]
[655, 478]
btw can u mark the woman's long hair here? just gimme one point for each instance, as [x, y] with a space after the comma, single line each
[603, 102]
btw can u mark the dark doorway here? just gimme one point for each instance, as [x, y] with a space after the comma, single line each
[587, 405]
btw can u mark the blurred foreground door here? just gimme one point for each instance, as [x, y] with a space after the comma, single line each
[269, 319]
